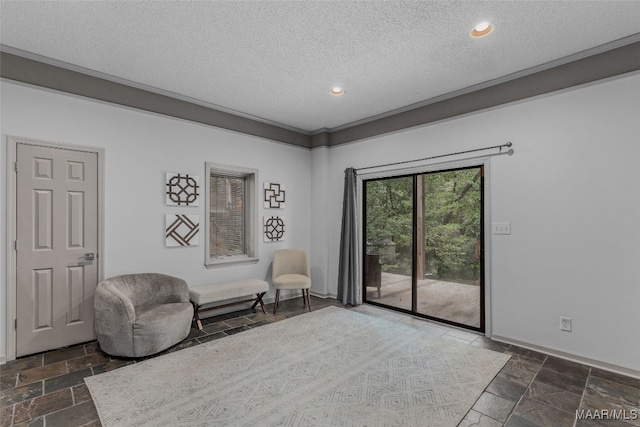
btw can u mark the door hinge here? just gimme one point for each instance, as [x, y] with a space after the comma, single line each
[15, 324]
[15, 166]
[15, 245]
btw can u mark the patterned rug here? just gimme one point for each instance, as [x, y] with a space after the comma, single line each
[331, 367]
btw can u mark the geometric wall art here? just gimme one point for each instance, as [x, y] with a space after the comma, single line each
[182, 230]
[273, 195]
[182, 189]
[273, 228]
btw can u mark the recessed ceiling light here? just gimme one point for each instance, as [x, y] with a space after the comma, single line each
[336, 91]
[481, 30]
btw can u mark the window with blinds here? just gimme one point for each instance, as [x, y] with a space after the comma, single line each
[231, 225]
[227, 219]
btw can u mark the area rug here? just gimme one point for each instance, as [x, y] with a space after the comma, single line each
[331, 367]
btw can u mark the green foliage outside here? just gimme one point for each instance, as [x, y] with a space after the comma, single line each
[389, 223]
[451, 224]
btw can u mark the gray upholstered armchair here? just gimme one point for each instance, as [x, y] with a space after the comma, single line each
[141, 314]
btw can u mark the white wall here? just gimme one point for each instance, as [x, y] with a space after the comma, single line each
[571, 192]
[320, 249]
[140, 148]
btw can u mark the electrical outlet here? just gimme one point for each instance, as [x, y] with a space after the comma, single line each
[565, 324]
[501, 228]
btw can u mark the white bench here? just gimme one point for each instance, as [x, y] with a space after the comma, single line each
[217, 292]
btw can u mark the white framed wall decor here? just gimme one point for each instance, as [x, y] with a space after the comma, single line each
[182, 230]
[274, 195]
[182, 189]
[273, 228]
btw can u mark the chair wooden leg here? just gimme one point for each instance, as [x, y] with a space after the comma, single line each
[275, 304]
[304, 301]
[308, 299]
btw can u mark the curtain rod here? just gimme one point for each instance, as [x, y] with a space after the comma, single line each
[507, 145]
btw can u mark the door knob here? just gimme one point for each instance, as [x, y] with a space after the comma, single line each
[87, 259]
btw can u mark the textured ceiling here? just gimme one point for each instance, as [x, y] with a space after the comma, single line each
[277, 61]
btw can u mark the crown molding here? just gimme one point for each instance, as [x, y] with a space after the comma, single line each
[587, 69]
[513, 76]
[55, 77]
[619, 57]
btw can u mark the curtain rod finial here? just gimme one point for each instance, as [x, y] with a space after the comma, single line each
[508, 144]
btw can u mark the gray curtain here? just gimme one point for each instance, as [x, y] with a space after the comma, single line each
[349, 290]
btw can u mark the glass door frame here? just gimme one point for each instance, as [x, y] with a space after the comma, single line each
[414, 287]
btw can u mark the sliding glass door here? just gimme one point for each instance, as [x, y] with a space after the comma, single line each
[424, 245]
[389, 241]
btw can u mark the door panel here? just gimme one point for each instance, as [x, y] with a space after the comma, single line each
[43, 207]
[449, 287]
[43, 298]
[423, 245]
[57, 226]
[75, 220]
[75, 290]
[389, 241]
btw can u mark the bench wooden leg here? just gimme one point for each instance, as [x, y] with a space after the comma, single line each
[195, 315]
[259, 300]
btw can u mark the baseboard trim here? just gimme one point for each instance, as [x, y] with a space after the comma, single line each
[630, 372]
[323, 296]
[3, 359]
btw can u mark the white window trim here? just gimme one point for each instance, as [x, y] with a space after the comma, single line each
[251, 218]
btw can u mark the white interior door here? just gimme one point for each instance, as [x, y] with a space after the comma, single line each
[57, 242]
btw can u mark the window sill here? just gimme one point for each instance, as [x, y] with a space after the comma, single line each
[230, 261]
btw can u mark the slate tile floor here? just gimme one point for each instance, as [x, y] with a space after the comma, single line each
[533, 389]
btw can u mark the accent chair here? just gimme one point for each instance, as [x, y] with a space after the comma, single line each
[291, 271]
[141, 314]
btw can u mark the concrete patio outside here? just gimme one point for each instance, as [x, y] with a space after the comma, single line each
[455, 302]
